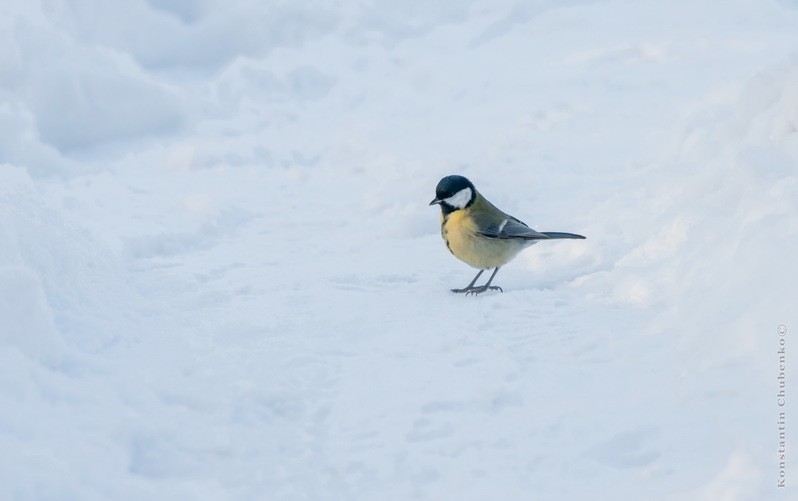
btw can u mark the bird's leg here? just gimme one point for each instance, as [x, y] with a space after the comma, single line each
[487, 286]
[469, 286]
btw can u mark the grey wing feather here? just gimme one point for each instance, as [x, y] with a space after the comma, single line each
[560, 234]
[505, 227]
[517, 229]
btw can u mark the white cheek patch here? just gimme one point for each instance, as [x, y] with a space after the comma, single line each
[459, 199]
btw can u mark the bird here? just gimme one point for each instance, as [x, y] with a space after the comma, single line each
[479, 234]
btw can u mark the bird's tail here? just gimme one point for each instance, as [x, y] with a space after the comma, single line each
[558, 234]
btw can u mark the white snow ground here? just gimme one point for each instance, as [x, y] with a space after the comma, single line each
[220, 279]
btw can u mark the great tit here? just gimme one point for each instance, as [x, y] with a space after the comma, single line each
[478, 233]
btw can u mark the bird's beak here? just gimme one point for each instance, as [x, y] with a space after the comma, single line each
[435, 202]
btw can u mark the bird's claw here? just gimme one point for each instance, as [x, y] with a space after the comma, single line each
[478, 290]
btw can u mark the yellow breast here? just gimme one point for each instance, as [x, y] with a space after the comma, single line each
[461, 237]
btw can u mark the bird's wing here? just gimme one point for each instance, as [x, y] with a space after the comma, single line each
[502, 226]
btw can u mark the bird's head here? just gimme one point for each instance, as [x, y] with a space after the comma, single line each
[454, 193]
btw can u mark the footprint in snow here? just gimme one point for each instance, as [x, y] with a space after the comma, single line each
[379, 282]
[626, 450]
[425, 430]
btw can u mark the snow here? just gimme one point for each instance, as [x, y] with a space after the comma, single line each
[220, 279]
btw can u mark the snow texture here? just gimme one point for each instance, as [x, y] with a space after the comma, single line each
[220, 279]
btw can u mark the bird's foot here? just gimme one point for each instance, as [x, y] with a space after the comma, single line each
[477, 290]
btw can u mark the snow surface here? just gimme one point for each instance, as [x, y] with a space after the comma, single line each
[220, 279]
